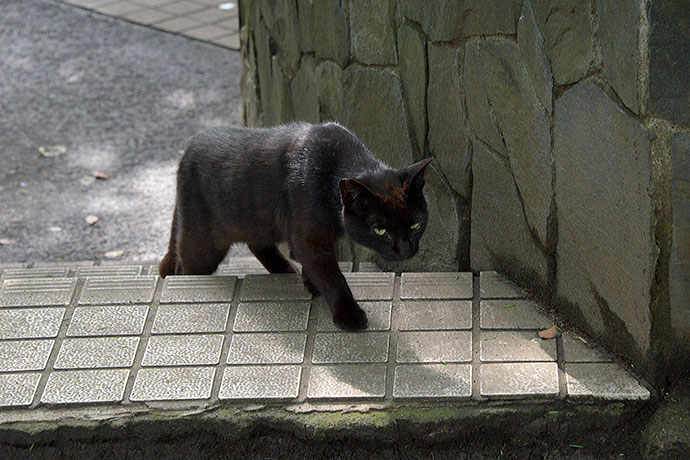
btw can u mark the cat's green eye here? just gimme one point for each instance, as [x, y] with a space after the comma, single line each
[380, 231]
[414, 226]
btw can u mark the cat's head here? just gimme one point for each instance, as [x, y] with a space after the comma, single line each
[386, 210]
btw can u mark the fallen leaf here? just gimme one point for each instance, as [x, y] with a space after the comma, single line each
[114, 254]
[87, 180]
[577, 446]
[509, 306]
[6, 241]
[91, 219]
[55, 229]
[550, 333]
[51, 151]
[100, 175]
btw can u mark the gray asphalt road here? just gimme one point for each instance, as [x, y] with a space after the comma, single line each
[123, 99]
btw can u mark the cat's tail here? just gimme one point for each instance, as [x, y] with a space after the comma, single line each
[168, 265]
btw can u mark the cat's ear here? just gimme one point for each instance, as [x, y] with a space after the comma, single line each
[357, 197]
[413, 176]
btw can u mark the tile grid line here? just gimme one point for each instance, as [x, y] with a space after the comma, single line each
[393, 340]
[305, 371]
[476, 340]
[227, 339]
[560, 361]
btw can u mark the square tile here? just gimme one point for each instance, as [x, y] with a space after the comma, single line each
[347, 382]
[147, 16]
[242, 266]
[367, 267]
[189, 318]
[273, 287]
[267, 348]
[152, 3]
[260, 382]
[211, 15]
[72, 264]
[99, 352]
[345, 267]
[183, 350]
[602, 380]
[107, 320]
[117, 9]
[25, 355]
[577, 350]
[34, 273]
[18, 389]
[37, 292]
[85, 386]
[434, 347]
[6, 265]
[436, 286]
[378, 316]
[178, 24]
[271, 316]
[495, 286]
[433, 381]
[350, 347]
[371, 286]
[118, 290]
[515, 346]
[173, 384]
[192, 289]
[110, 270]
[30, 323]
[182, 8]
[419, 315]
[512, 314]
[517, 380]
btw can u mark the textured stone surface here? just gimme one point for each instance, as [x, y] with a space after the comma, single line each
[118, 290]
[436, 286]
[193, 289]
[304, 91]
[413, 69]
[416, 315]
[515, 346]
[367, 267]
[37, 292]
[446, 133]
[43, 272]
[350, 347]
[276, 287]
[173, 383]
[531, 43]
[434, 347]
[30, 323]
[378, 316]
[492, 285]
[101, 352]
[372, 31]
[267, 349]
[186, 318]
[515, 380]
[330, 34]
[281, 109]
[371, 286]
[669, 66]
[183, 350]
[347, 381]
[680, 251]
[260, 382]
[241, 266]
[605, 216]
[577, 350]
[25, 355]
[500, 232]
[108, 320]
[271, 316]
[85, 386]
[567, 29]
[602, 380]
[450, 19]
[330, 90]
[433, 381]
[18, 389]
[512, 314]
[281, 19]
[110, 270]
[305, 18]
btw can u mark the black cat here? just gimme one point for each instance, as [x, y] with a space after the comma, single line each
[301, 183]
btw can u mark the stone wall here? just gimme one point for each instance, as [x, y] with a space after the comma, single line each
[559, 130]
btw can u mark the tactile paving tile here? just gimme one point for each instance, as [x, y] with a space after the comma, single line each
[85, 386]
[434, 347]
[18, 389]
[97, 352]
[378, 315]
[433, 381]
[350, 347]
[118, 290]
[37, 292]
[183, 350]
[274, 287]
[512, 314]
[518, 380]
[602, 380]
[267, 348]
[30, 323]
[495, 286]
[107, 320]
[371, 286]
[419, 315]
[260, 382]
[34, 273]
[347, 382]
[25, 355]
[515, 346]
[271, 316]
[188, 288]
[110, 270]
[436, 286]
[190, 318]
[173, 383]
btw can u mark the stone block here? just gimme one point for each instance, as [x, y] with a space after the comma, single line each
[378, 316]
[330, 90]
[25, 355]
[305, 20]
[371, 286]
[347, 382]
[413, 76]
[330, 34]
[37, 292]
[118, 290]
[350, 347]
[173, 384]
[515, 346]
[518, 380]
[100, 352]
[532, 48]
[415, 315]
[271, 316]
[18, 389]
[183, 350]
[680, 250]
[434, 347]
[260, 382]
[512, 314]
[436, 286]
[304, 91]
[241, 266]
[191, 318]
[269, 348]
[367, 267]
[602, 380]
[281, 19]
[85, 386]
[274, 287]
[433, 381]
[605, 217]
[196, 289]
[30, 323]
[110, 270]
[577, 350]
[372, 32]
[492, 285]
[107, 320]
[30, 273]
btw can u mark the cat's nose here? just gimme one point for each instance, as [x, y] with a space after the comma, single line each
[405, 249]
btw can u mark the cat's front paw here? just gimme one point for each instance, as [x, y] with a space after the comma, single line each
[352, 319]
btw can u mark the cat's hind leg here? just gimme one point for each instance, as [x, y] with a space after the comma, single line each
[198, 252]
[272, 259]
